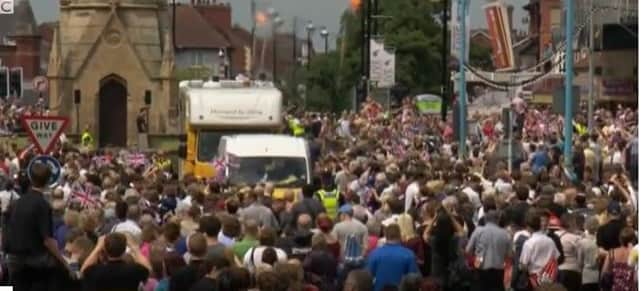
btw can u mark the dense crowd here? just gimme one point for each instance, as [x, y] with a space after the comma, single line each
[391, 207]
[12, 111]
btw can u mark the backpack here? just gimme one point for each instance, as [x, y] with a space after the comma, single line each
[353, 251]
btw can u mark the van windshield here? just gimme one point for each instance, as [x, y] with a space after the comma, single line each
[282, 171]
[208, 141]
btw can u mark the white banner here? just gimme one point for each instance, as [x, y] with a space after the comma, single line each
[455, 30]
[383, 65]
[376, 57]
[389, 70]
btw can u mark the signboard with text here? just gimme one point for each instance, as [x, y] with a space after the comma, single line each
[44, 131]
[500, 35]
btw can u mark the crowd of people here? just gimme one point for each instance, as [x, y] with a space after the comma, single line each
[12, 111]
[391, 207]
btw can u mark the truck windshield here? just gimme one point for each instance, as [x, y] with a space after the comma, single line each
[282, 171]
[208, 144]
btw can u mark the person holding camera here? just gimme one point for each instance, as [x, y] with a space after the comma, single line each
[107, 269]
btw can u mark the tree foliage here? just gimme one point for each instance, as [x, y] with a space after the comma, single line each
[193, 73]
[411, 31]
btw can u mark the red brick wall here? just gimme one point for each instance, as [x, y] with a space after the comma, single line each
[545, 22]
[7, 54]
[25, 54]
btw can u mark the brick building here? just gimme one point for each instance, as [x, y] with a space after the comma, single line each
[20, 45]
[214, 20]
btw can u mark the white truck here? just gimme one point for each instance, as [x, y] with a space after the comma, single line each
[215, 109]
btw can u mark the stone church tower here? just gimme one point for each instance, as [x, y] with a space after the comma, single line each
[117, 57]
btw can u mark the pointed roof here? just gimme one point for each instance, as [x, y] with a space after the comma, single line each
[55, 58]
[21, 22]
[141, 28]
[168, 58]
[193, 31]
[25, 20]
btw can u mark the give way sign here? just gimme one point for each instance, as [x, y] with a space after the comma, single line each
[44, 131]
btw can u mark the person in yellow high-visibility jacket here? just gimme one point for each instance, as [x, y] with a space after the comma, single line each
[580, 129]
[331, 201]
[86, 140]
[296, 127]
[161, 162]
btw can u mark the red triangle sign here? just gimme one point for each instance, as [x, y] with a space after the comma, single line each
[44, 131]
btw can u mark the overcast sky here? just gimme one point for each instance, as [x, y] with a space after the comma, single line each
[321, 12]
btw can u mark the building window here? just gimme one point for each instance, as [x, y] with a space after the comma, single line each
[198, 59]
[598, 71]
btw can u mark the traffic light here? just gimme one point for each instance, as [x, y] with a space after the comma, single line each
[15, 82]
[4, 82]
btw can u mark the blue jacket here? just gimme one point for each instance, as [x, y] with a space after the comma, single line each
[389, 263]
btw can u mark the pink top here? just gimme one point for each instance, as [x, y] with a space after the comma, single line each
[373, 243]
[145, 249]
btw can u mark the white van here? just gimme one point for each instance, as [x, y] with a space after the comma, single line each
[255, 158]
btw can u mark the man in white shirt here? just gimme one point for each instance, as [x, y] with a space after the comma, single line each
[539, 252]
[129, 216]
[412, 194]
[253, 258]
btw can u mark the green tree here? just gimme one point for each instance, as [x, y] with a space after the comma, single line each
[193, 73]
[411, 31]
[480, 57]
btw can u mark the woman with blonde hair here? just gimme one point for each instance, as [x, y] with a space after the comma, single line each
[409, 238]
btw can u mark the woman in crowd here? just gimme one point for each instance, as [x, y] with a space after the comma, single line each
[623, 277]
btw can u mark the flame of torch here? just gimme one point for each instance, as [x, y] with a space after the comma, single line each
[355, 4]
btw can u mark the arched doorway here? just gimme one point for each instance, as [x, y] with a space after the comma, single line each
[113, 112]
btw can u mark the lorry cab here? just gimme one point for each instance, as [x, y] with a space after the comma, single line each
[260, 158]
[215, 109]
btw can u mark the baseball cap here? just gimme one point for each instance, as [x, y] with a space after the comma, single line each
[346, 209]
[614, 208]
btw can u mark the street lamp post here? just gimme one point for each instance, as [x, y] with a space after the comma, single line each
[568, 86]
[276, 22]
[445, 63]
[223, 64]
[325, 35]
[310, 29]
[462, 91]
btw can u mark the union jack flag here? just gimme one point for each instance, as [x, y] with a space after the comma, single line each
[84, 195]
[219, 165]
[101, 161]
[137, 159]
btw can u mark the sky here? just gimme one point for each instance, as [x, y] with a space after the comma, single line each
[320, 12]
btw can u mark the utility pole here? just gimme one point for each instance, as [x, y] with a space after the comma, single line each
[295, 43]
[445, 64]
[253, 36]
[568, 87]
[368, 42]
[376, 12]
[462, 90]
[591, 93]
[363, 56]
[310, 29]
[173, 24]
